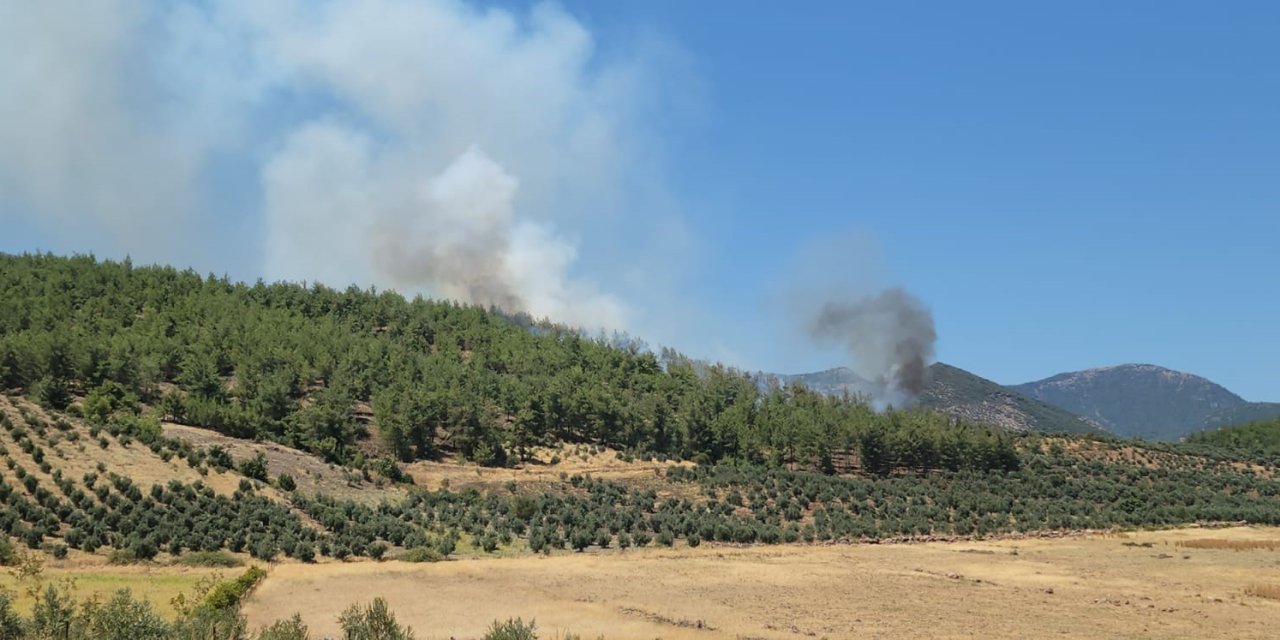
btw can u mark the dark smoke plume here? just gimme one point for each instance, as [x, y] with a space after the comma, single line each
[890, 336]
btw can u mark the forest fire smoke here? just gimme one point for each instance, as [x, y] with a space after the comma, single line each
[890, 336]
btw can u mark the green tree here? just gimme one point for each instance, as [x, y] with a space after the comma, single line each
[372, 622]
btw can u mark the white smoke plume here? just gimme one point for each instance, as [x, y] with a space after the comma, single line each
[434, 146]
[890, 336]
[453, 231]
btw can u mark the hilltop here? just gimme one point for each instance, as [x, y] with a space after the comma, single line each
[1144, 400]
[959, 393]
[1132, 400]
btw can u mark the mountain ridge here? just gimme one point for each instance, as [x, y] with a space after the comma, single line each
[1147, 400]
[1131, 400]
[959, 393]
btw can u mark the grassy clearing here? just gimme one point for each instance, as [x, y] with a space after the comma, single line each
[220, 559]
[157, 585]
[1233, 545]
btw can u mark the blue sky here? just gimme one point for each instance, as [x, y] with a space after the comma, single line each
[1064, 186]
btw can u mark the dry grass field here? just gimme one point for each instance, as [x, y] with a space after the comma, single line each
[1140, 585]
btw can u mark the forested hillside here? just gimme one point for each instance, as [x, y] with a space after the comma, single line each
[352, 373]
[1261, 438]
[958, 392]
[366, 381]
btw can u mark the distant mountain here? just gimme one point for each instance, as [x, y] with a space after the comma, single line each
[839, 381]
[976, 399]
[1147, 401]
[959, 393]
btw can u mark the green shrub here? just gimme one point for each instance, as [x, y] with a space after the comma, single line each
[206, 623]
[10, 622]
[144, 549]
[255, 467]
[264, 549]
[209, 559]
[121, 557]
[227, 595]
[219, 458]
[422, 554]
[291, 629]
[7, 555]
[53, 613]
[512, 629]
[285, 482]
[374, 622]
[124, 618]
[305, 552]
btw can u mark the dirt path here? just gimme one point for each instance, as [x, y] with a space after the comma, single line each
[1076, 587]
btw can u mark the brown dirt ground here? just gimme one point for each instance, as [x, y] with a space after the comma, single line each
[601, 463]
[1080, 587]
[311, 473]
[314, 475]
[83, 455]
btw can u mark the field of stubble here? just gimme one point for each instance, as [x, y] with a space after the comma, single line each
[1139, 585]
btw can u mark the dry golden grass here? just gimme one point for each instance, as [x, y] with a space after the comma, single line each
[1233, 545]
[542, 471]
[1270, 591]
[311, 473]
[1077, 587]
[83, 455]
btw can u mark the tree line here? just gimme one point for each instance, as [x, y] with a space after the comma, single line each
[321, 369]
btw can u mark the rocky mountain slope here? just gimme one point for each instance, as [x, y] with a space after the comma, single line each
[976, 399]
[961, 394]
[1147, 401]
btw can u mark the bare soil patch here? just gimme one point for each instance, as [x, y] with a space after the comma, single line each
[545, 470]
[310, 472]
[83, 454]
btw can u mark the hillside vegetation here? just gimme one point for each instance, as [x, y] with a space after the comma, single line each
[316, 368]
[1261, 438]
[361, 381]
